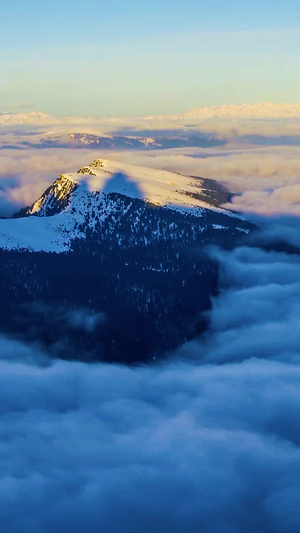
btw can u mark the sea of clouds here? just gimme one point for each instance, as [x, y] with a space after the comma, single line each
[257, 160]
[207, 441]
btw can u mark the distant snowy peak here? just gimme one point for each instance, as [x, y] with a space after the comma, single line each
[245, 111]
[111, 140]
[97, 140]
[262, 110]
[25, 118]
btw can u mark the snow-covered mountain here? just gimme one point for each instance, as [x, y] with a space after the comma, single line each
[33, 117]
[130, 259]
[88, 197]
[246, 111]
[262, 110]
[96, 140]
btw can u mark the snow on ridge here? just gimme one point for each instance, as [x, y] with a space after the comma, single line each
[88, 191]
[156, 186]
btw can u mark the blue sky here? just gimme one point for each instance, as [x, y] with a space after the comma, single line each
[116, 57]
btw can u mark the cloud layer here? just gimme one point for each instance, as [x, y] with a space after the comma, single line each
[266, 180]
[208, 441]
[181, 447]
[257, 158]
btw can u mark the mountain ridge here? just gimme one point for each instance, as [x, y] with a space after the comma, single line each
[125, 251]
[32, 117]
[226, 111]
[58, 216]
[230, 111]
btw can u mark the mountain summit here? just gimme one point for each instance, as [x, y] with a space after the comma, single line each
[75, 202]
[34, 117]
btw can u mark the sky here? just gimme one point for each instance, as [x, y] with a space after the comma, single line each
[116, 58]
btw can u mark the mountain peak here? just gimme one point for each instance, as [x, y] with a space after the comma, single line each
[159, 187]
[25, 118]
[262, 110]
[53, 200]
[104, 192]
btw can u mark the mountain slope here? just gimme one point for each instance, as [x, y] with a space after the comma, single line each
[77, 201]
[98, 141]
[132, 277]
[95, 140]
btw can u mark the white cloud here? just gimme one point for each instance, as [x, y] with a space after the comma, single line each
[206, 442]
[209, 442]
[265, 176]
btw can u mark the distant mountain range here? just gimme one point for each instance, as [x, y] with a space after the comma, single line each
[110, 263]
[263, 110]
[33, 117]
[103, 141]
[245, 111]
